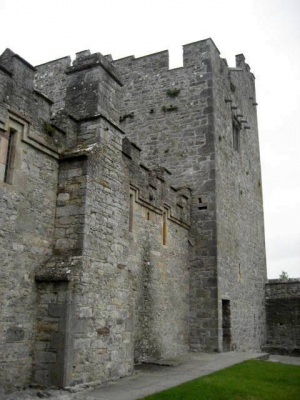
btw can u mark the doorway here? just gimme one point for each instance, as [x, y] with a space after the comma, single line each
[226, 325]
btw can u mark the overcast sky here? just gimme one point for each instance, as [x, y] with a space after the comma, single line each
[266, 31]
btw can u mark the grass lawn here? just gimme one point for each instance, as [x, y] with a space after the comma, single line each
[250, 380]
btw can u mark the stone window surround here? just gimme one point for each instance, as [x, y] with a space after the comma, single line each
[132, 200]
[13, 126]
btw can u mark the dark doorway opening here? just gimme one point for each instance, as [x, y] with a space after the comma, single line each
[226, 325]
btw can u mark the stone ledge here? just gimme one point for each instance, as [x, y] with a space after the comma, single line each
[281, 281]
[281, 350]
[6, 71]
[57, 270]
[40, 94]
[94, 61]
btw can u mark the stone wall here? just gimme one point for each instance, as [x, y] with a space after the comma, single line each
[240, 222]
[283, 316]
[158, 261]
[112, 256]
[182, 119]
[172, 122]
[98, 293]
[27, 215]
[104, 270]
[51, 79]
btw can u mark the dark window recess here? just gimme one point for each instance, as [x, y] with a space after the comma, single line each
[165, 231]
[226, 325]
[236, 129]
[131, 212]
[202, 207]
[10, 157]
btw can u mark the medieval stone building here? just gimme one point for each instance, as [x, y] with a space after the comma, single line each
[131, 225]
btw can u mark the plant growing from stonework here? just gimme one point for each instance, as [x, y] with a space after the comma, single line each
[232, 87]
[83, 146]
[284, 275]
[48, 128]
[173, 92]
[125, 116]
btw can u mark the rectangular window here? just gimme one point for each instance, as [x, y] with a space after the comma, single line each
[7, 155]
[226, 325]
[131, 211]
[165, 227]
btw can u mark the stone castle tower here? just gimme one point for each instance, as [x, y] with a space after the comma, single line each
[131, 213]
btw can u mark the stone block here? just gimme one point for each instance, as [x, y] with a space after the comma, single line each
[15, 334]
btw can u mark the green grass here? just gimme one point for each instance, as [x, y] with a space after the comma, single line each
[250, 380]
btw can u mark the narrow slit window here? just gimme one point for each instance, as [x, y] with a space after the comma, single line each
[131, 212]
[165, 228]
[226, 325]
[236, 135]
[240, 274]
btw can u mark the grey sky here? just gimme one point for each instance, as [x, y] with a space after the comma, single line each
[266, 31]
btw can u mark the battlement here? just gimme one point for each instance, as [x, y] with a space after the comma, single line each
[64, 82]
[84, 60]
[155, 62]
[7, 58]
[193, 54]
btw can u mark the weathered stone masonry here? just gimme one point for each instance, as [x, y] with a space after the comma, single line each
[283, 316]
[191, 134]
[131, 216]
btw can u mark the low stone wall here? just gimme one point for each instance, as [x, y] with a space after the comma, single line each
[283, 316]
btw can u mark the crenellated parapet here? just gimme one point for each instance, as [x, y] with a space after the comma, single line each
[85, 60]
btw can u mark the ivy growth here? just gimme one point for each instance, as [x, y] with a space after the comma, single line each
[232, 87]
[48, 128]
[83, 146]
[125, 116]
[173, 92]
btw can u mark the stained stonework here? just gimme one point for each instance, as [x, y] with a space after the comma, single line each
[131, 216]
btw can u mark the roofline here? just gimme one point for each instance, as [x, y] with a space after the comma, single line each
[52, 61]
[24, 62]
[203, 40]
[6, 71]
